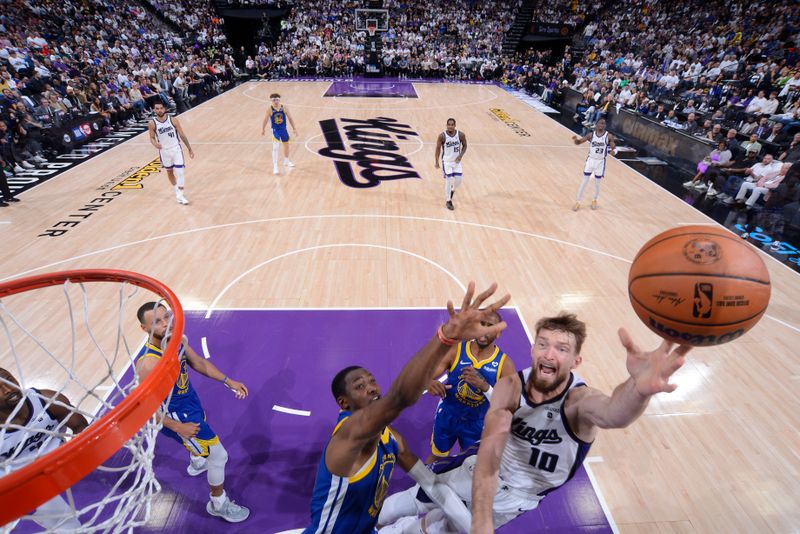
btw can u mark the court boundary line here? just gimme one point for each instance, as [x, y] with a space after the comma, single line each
[597, 491]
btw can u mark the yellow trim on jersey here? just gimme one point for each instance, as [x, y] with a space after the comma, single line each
[437, 452]
[458, 356]
[276, 140]
[479, 364]
[365, 470]
[336, 428]
[500, 366]
[385, 435]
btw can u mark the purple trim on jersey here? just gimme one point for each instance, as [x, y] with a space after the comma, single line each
[550, 401]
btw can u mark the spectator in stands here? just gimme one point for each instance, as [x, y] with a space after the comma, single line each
[752, 144]
[715, 134]
[765, 177]
[777, 136]
[719, 157]
[730, 138]
[792, 152]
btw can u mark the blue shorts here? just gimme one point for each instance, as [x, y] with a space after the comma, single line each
[192, 412]
[280, 135]
[447, 429]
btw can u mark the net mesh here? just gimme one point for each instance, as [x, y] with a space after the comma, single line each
[67, 362]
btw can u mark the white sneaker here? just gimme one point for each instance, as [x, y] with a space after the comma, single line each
[229, 511]
[197, 467]
[711, 193]
[701, 186]
[182, 199]
[288, 163]
[27, 165]
[688, 184]
[775, 245]
[17, 168]
[39, 159]
[275, 169]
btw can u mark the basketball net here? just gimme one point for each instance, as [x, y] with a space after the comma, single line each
[71, 333]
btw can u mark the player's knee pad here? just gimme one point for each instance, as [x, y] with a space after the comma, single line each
[217, 458]
[179, 176]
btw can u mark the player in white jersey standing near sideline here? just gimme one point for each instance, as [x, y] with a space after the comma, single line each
[601, 142]
[166, 135]
[38, 417]
[451, 147]
[538, 430]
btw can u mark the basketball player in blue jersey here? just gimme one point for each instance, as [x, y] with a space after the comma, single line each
[601, 142]
[472, 368]
[277, 115]
[357, 464]
[539, 428]
[166, 134]
[451, 146]
[186, 420]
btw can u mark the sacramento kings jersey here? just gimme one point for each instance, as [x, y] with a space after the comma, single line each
[351, 505]
[463, 400]
[452, 147]
[20, 447]
[599, 148]
[542, 452]
[183, 394]
[166, 135]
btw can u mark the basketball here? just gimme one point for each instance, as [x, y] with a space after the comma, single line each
[698, 285]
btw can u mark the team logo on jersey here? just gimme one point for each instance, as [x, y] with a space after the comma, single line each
[468, 395]
[373, 146]
[520, 428]
[384, 475]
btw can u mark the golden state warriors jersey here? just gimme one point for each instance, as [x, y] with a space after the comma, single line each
[350, 505]
[183, 394]
[462, 399]
[278, 119]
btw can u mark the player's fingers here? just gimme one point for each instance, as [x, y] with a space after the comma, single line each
[677, 363]
[670, 388]
[627, 342]
[682, 350]
[450, 309]
[495, 329]
[468, 295]
[666, 346]
[484, 295]
[498, 304]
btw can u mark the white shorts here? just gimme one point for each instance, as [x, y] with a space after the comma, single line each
[171, 157]
[595, 166]
[451, 169]
[508, 504]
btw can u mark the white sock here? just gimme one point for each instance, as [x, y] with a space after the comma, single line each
[596, 188]
[219, 501]
[179, 177]
[582, 187]
[448, 189]
[276, 147]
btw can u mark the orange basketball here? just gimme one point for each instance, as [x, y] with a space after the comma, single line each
[699, 285]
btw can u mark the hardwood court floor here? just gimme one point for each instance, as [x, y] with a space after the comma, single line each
[718, 455]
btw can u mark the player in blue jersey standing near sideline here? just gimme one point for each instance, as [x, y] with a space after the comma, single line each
[473, 369]
[357, 463]
[276, 116]
[186, 420]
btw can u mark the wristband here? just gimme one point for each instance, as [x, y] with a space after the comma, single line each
[488, 392]
[444, 339]
[225, 380]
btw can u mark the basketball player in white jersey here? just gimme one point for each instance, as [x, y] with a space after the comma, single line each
[37, 425]
[451, 147]
[602, 141]
[539, 428]
[166, 135]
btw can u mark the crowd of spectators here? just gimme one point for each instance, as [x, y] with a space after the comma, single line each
[726, 72]
[461, 39]
[114, 59]
[570, 12]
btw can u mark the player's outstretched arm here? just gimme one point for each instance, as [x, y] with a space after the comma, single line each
[578, 140]
[496, 427]
[650, 373]
[206, 368]
[366, 424]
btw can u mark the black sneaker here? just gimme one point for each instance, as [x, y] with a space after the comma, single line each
[3, 204]
[450, 205]
[12, 199]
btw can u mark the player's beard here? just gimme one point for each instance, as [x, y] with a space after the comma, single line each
[547, 385]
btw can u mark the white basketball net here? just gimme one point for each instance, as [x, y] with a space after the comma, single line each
[61, 343]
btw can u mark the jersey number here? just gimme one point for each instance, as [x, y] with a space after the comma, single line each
[171, 134]
[543, 460]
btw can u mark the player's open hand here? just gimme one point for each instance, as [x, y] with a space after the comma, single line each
[438, 389]
[472, 377]
[187, 430]
[239, 389]
[652, 370]
[466, 323]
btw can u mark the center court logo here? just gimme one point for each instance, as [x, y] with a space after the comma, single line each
[373, 147]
